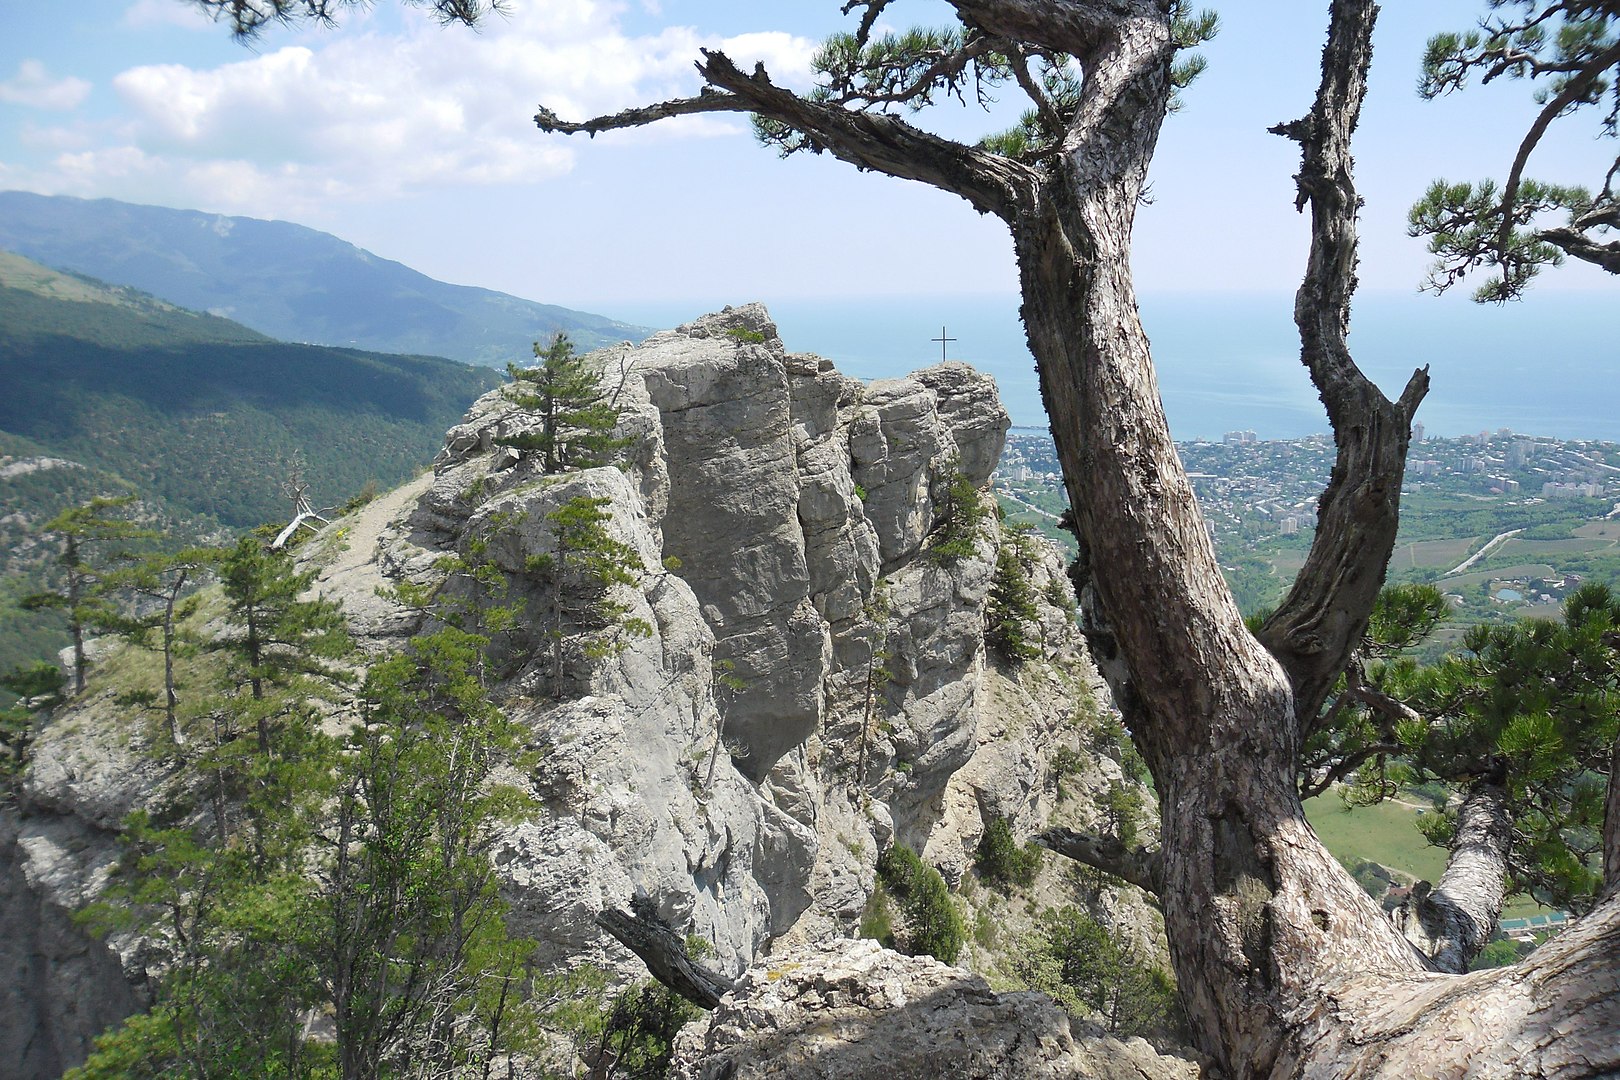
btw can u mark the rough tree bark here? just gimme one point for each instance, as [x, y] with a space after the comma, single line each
[1611, 826]
[664, 953]
[1452, 921]
[1286, 966]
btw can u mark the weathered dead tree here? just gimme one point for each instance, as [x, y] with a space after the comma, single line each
[665, 953]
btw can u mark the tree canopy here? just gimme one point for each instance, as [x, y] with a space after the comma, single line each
[1569, 50]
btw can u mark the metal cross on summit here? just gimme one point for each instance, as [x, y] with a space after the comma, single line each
[942, 339]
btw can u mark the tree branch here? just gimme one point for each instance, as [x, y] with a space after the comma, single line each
[707, 101]
[1324, 616]
[1451, 923]
[1611, 826]
[664, 953]
[875, 141]
[1571, 92]
[1019, 62]
[1573, 239]
[1069, 26]
[1344, 767]
[946, 69]
[1140, 866]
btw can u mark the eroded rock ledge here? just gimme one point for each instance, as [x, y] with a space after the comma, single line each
[852, 1010]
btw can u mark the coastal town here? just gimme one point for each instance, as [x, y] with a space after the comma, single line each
[1501, 521]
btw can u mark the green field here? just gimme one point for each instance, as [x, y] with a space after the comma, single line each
[1496, 573]
[1387, 834]
[1530, 550]
[1439, 554]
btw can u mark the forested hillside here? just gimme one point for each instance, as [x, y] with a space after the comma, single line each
[111, 392]
[204, 412]
[290, 282]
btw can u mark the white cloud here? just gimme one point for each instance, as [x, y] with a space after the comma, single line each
[166, 13]
[33, 86]
[368, 114]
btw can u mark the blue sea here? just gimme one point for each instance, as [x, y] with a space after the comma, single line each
[1547, 366]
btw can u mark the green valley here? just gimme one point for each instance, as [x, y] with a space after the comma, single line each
[111, 391]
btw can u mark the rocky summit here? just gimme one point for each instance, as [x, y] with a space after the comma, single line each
[739, 764]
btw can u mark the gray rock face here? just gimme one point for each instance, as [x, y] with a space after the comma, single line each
[772, 501]
[58, 988]
[807, 684]
[852, 1010]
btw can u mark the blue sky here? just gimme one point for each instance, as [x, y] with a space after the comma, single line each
[416, 142]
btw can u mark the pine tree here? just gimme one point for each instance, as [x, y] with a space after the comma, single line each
[279, 639]
[1525, 715]
[414, 939]
[1011, 612]
[575, 422]
[585, 567]
[162, 579]
[959, 512]
[91, 534]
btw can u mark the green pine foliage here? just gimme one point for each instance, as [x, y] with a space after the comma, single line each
[575, 420]
[1093, 971]
[638, 1037]
[296, 873]
[37, 688]
[94, 537]
[959, 511]
[1510, 231]
[277, 639]
[1011, 613]
[1531, 706]
[584, 615]
[421, 969]
[1001, 861]
[159, 584]
[933, 923]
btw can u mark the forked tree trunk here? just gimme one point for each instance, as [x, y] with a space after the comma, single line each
[1286, 966]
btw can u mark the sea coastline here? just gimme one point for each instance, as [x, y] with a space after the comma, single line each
[1230, 361]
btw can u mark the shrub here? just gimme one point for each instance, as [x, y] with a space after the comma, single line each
[1001, 861]
[933, 923]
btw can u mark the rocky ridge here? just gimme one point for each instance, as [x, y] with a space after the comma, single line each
[783, 514]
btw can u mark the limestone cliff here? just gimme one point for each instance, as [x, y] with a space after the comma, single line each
[813, 685]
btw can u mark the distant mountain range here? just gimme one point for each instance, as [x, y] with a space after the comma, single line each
[288, 281]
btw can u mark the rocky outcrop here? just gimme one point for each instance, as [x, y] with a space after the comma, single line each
[59, 988]
[852, 1010]
[792, 681]
[782, 512]
[59, 985]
